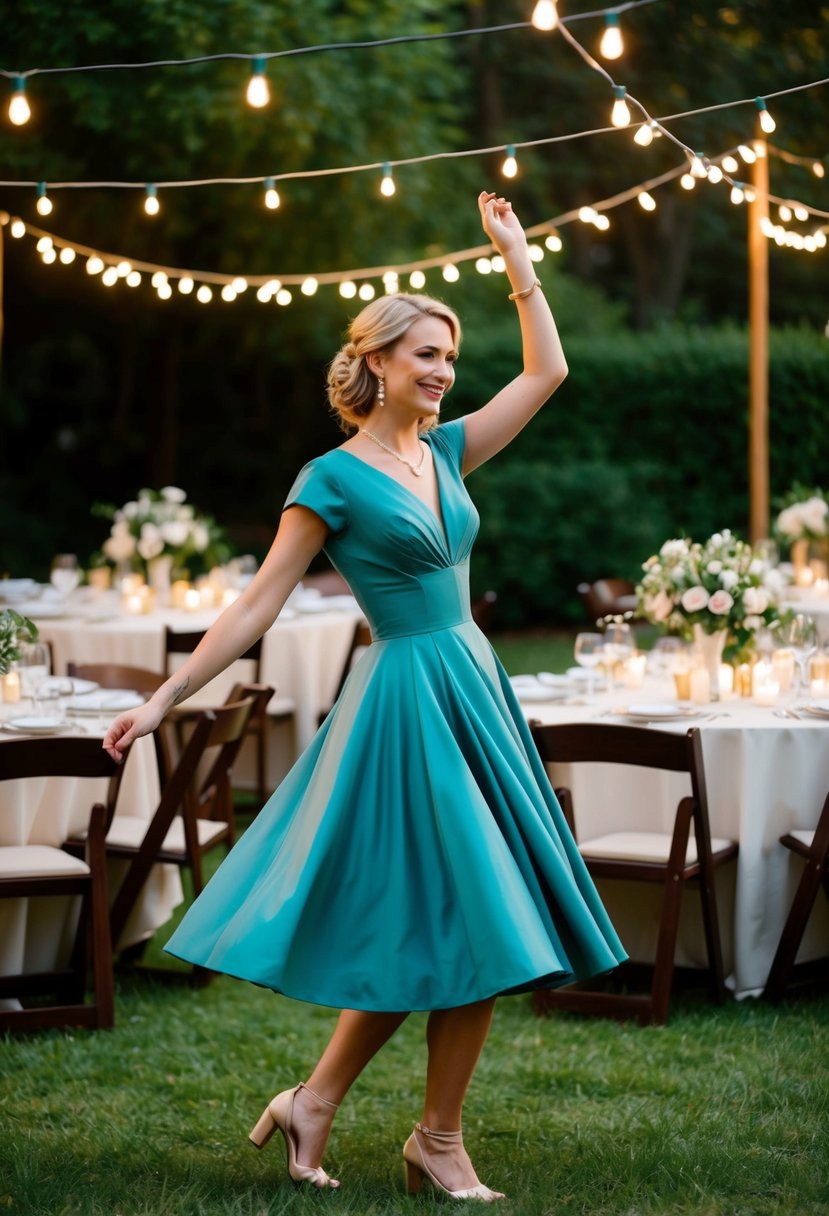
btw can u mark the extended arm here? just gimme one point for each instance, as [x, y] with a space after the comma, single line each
[300, 536]
[492, 427]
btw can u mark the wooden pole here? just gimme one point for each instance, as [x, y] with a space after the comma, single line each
[758, 371]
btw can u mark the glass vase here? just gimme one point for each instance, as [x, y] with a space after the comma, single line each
[710, 647]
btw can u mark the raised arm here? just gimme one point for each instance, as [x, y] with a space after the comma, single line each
[300, 536]
[492, 427]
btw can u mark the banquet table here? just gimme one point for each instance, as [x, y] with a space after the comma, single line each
[302, 657]
[765, 774]
[814, 604]
[35, 934]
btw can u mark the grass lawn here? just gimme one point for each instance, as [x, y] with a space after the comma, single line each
[724, 1112]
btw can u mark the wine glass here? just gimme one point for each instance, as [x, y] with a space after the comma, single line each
[618, 645]
[33, 667]
[65, 574]
[798, 633]
[589, 653]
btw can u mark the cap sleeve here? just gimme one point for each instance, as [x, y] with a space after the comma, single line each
[450, 437]
[318, 488]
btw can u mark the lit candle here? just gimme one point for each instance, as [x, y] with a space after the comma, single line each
[192, 600]
[232, 593]
[766, 692]
[782, 664]
[130, 584]
[11, 686]
[134, 604]
[726, 679]
[99, 577]
[177, 592]
[634, 670]
[700, 685]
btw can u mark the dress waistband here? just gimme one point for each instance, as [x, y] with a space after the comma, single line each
[438, 599]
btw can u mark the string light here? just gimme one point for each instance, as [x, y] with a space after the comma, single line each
[785, 213]
[110, 277]
[239, 284]
[510, 166]
[309, 286]
[748, 154]
[258, 93]
[45, 243]
[185, 285]
[151, 203]
[391, 282]
[348, 289]
[204, 295]
[730, 164]
[67, 255]
[818, 169]
[687, 181]
[158, 278]
[767, 123]
[44, 203]
[646, 133]
[714, 174]
[387, 186]
[123, 268]
[554, 242]
[536, 253]
[498, 264]
[698, 165]
[620, 115]
[49, 255]
[545, 15]
[133, 279]
[483, 266]
[272, 199]
[737, 193]
[19, 109]
[612, 45]
[227, 293]
[18, 229]
[283, 297]
[164, 291]
[366, 292]
[801, 213]
[646, 201]
[451, 273]
[417, 280]
[94, 265]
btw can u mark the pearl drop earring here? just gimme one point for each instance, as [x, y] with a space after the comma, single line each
[381, 392]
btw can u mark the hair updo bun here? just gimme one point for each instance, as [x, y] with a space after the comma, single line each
[351, 385]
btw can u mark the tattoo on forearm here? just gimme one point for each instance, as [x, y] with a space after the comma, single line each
[180, 689]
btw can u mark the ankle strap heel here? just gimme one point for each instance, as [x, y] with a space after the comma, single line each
[319, 1097]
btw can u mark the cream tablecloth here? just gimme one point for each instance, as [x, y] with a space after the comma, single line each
[765, 775]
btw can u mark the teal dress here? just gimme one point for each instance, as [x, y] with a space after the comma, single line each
[415, 856]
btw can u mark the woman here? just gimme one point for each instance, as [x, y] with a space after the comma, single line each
[415, 857]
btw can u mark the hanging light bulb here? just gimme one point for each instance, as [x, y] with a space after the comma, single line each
[239, 284]
[602, 222]
[19, 109]
[227, 293]
[737, 193]
[417, 279]
[645, 134]
[785, 213]
[387, 186]
[646, 201]
[122, 269]
[498, 264]
[268, 290]
[348, 290]
[687, 181]
[110, 277]
[67, 255]
[391, 282]
[714, 174]
[185, 285]
[164, 291]
[730, 164]
[204, 295]
[510, 166]
[698, 165]
[611, 45]
[49, 255]
[750, 193]
[483, 265]
[18, 229]
[283, 297]
[766, 226]
[44, 203]
[820, 238]
[818, 169]
[44, 243]
[748, 154]
[536, 253]
[158, 278]
[258, 93]
[366, 291]
[767, 123]
[801, 213]
[620, 115]
[587, 215]
[94, 265]
[309, 286]
[451, 273]
[272, 199]
[554, 243]
[545, 15]
[133, 278]
[151, 204]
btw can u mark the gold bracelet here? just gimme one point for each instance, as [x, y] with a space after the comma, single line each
[522, 295]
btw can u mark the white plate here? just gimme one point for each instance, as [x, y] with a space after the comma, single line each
[40, 610]
[79, 686]
[105, 701]
[658, 711]
[530, 690]
[580, 673]
[555, 681]
[37, 725]
[14, 589]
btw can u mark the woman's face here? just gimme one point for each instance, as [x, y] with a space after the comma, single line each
[420, 368]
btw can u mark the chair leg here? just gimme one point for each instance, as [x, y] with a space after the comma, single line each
[795, 927]
[663, 967]
[102, 964]
[711, 925]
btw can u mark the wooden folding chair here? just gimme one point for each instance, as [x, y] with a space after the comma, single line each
[34, 870]
[142, 680]
[671, 860]
[186, 643]
[482, 610]
[813, 847]
[360, 638]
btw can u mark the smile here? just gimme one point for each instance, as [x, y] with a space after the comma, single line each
[435, 391]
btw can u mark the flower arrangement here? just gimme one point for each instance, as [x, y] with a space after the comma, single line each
[804, 515]
[14, 629]
[161, 523]
[717, 585]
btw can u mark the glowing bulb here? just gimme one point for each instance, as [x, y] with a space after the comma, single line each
[271, 194]
[750, 194]
[391, 282]
[602, 222]
[644, 134]
[49, 255]
[158, 278]
[19, 109]
[110, 277]
[785, 213]
[611, 45]
[820, 238]
[767, 123]
[417, 279]
[67, 255]
[133, 278]
[748, 154]
[697, 166]
[646, 201]
[185, 285]
[587, 215]
[18, 229]
[737, 193]
[451, 273]
[151, 204]
[801, 213]
[687, 181]
[387, 186]
[809, 243]
[620, 115]
[554, 243]
[94, 265]
[536, 253]
[766, 226]
[43, 244]
[164, 291]
[268, 290]
[44, 203]
[122, 269]
[204, 295]
[309, 286]
[228, 294]
[510, 166]
[239, 284]
[258, 93]
[545, 15]
[366, 292]
[483, 266]
[730, 164]
[283, 297]
[818, 169]
[498, 264]
[348, 290]
[714, 174]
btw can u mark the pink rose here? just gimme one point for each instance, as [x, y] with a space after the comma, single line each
[694, 599]
[659, 607]
[720, 603]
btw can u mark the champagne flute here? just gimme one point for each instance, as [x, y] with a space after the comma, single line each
[798, 633]
[33, 666]
[589, 653]
[65, 574]
[618, 645]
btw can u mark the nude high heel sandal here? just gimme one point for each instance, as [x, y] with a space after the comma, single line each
[417, 1170]
[279, 1114]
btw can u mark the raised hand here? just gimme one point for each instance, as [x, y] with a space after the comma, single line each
[129, 726]
[500, 223]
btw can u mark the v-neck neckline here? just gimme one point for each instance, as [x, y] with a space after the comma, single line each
[439, 520]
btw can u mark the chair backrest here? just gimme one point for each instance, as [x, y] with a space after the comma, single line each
[62, 757]
[186, 642]
[360, 638]
[482, 610]
[118, 675]
[606, 596]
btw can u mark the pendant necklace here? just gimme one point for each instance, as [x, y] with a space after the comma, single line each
[417, 469]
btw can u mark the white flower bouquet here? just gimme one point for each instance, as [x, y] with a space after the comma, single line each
[804, 515]
[14, 629]
[161, 523]
[718, 585]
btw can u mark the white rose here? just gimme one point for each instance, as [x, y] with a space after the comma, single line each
[755, 600]
[150, 543]
[129, 510]
[674, 548]
[694, 599]
[721, 603]
[729, 579]
[714, 567]
[774, 582]
[753, 622]
[120, 545]
[201, 538]
[813, 514]
[175, 532]
[173, 494]
[757, 566]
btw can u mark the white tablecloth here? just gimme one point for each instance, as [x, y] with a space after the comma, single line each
[765, 775]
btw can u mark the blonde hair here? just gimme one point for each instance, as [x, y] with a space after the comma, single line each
[351, 384]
